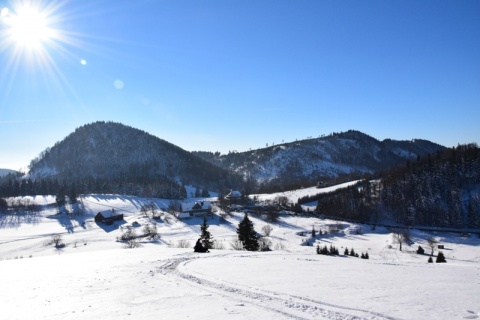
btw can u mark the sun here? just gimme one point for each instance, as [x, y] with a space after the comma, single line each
[29, 28]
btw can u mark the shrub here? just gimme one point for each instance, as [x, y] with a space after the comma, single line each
[440, 258]
[132, 243]
[267, 229]
[264, 244]
[236, 244]
[420, 250]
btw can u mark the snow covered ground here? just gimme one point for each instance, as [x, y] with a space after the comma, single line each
[94, 276]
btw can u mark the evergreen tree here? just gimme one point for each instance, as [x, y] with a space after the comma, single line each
[346, 252]
[206, 237]
[73, 196]
[440, 257]
[314, 233]
[205, 192]
[247, 235]
[60, 198]
[430, 260]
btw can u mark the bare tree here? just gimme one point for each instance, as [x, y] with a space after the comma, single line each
[267, 229]
[400, 236]
[432, 242]
[57, 240]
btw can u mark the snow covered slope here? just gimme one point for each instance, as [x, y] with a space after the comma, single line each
[93, 276]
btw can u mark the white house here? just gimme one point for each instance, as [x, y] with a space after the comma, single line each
[234, 195]
[195, 209]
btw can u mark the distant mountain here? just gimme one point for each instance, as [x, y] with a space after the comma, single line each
[4, 172]
[115, 154]
[325, 158]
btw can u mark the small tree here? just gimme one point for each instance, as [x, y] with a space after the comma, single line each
[206, 237]
[400, 237]
[151, 231]
[432, 242]
[61, 199]
[57, 240]
[272, 214]
[314, 233]
[346, 252]
[440, 258]
[430, 260]
[267, 229]
[247, 234]
[420, 250]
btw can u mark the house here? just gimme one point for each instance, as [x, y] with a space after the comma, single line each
[234, 195]
[195, 209]
[108, 217]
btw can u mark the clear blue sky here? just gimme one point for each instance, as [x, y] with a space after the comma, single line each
[234, 75]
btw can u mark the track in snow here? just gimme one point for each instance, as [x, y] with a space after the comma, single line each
[290, 306]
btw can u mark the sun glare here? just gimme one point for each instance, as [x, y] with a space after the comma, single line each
[32, 39]
[29, 28]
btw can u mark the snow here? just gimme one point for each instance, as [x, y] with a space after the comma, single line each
[93, 276]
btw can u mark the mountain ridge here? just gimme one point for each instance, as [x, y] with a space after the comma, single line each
[115, 152]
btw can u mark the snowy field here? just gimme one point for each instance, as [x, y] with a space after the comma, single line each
[94, 276]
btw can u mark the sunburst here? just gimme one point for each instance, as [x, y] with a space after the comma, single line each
[30, 35]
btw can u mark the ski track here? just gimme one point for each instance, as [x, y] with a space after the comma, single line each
[290, 306]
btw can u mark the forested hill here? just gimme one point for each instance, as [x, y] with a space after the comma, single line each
[441, 190]
[125, 158]
[321, 159]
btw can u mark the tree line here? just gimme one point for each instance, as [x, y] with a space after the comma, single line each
[439, 190]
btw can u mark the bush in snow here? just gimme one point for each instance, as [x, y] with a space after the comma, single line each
[132, 243]
[267, 229]
[264, 244]
[236, 244]
[128, 234]
[430, 260]
[219, 245]
[151, 232]
[440, 257]
[420, 250]
[327, 251]
[57, 241]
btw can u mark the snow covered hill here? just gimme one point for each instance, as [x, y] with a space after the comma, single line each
[92, 275]
[323, 158]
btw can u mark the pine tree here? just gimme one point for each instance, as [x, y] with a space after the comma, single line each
[440, 257]
[60, 199]
[206, 237]
[346, 252]
[314, 233]
[247, 235]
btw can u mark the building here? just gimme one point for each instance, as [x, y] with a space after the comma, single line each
[234, 195]
[195, 209]
[108, 217]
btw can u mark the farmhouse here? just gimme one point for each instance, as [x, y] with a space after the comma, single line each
[195, 209]
[234, 195]
[108, 217]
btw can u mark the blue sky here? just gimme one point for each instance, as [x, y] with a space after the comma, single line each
[236, 75]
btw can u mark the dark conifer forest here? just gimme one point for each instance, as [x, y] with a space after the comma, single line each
[439, 190]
